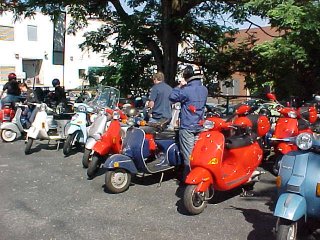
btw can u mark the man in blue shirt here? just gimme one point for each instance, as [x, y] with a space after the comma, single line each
[159, 99]
[193, 96]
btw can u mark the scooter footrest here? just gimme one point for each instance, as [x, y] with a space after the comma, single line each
[63, 116]
[166, 134]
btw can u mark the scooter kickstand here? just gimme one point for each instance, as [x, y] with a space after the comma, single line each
[159, 184]
[246, 193]
[58, 145]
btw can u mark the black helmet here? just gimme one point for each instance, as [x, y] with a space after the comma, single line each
[55, 82]
[188, 72]
[265, 111]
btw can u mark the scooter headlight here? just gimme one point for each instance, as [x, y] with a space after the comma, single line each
[292, 114]
[208, 124]
[304, 141]
[82, 108]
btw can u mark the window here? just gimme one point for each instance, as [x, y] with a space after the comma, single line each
[4, 71]
[32, 33]
[6, 33]
[82, 74]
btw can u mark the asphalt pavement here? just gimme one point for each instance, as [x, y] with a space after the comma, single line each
[45, 195]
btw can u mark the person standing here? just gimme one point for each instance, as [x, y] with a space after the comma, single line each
[12, 89]
[159, 99]
[193, 96]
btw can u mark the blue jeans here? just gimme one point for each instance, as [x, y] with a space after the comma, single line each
[186, 141]
[10, 98]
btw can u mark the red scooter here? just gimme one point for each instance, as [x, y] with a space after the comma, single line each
[291, 123]
[222, 160]
[110, 143]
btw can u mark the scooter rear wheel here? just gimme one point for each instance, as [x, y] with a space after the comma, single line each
[86, 158]
[27, 149]
[117, 180]
[286, 229]
[8, 135]
[194, 202]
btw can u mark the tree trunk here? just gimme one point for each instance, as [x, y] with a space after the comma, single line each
[170, 42]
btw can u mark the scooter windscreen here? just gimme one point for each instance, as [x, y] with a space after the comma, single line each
[106, 97]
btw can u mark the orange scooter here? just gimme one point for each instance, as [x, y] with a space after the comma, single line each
[225, 156]
[110, 142]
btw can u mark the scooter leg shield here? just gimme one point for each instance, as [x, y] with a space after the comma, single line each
[102, 148]
[90, 143]
[120, 161]
[291, 206]
[12, 127]
[33, 132]
[73, 128]
[201, 177]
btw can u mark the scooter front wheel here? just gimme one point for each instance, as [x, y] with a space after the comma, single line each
[27, 149]
[193, 201]
[117, 180]
[68, 143]
[86, 158]
[286, 229]
[8, 135]
[94, 166]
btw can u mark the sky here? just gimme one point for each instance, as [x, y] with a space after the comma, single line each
[255, 19]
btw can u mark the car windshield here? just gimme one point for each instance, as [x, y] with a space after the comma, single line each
[105, 97]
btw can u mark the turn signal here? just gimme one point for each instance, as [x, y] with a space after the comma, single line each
[318, 190]
[124, 121]
[278, 182]
[116, 164]
[142, 123]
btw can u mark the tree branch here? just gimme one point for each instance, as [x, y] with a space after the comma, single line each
[261, 28]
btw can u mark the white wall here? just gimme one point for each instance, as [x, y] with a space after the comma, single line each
[41, 49]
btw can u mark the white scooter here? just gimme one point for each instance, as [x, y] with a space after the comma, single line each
[47, 126]
[14, 129]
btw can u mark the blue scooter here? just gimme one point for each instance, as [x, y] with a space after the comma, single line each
[298, 183]
[145, 150]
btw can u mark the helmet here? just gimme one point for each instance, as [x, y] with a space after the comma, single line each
[188, 72]
[265, 111]
[55, 82]
[12, 76]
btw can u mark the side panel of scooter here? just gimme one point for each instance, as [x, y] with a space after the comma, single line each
[310, 184]
[290, 206]
[120, 161]
[171, 150]
[11, 126]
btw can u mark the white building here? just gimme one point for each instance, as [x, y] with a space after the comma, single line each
[27, 48]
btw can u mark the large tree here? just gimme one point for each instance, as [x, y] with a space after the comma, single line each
[150, 31]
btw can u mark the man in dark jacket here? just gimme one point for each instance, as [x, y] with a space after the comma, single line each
[12, 89]
[193, 96]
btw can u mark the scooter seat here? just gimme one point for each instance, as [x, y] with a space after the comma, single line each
[166, 134]
[240, 140]
[148, 129]
[63, 116]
